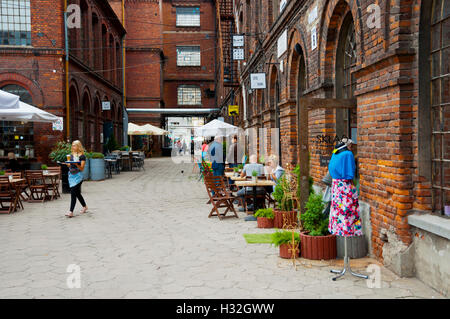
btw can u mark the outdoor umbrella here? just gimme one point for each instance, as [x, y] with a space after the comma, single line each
[27, 113]
[216, 128]
[134, 129]
[8, 100]
[153, 130]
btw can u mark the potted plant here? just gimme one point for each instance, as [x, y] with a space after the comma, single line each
[264, 217]
[236, 171]
[316, 242]
[59, 155]
[86, 172]
[2, 172]
[283, 239]
[97, 166]
[254, 176]
[285, 215]
[44, 168]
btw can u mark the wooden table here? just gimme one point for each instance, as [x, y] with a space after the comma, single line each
[253, 185]
[15, 182]
[53, 176]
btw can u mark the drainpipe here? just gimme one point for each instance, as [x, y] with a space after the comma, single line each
[124, 93]
[66, 39]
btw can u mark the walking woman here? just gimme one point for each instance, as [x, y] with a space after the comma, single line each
[344, 212]
[76, 177]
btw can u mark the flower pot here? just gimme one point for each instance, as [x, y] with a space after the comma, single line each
[86, 171]
[254, 179]
[318, 247]
[279, 219]
[97, 168]
[286, 252]
[264, 222]
[356, 247]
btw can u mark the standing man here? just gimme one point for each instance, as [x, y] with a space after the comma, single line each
[215, 152]
[234, 154]
[192, 148]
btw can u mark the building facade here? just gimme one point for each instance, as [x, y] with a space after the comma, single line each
[32, 65]
[380, 74]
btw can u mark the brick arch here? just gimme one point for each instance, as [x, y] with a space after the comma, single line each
[296, 36]
[32, 87]
[332, 17]
[273, 77]
[86, 91]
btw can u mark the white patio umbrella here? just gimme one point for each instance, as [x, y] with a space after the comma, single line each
[153, 130]
[8, 100]
[134, 129]
[27, 113]
[216, 128]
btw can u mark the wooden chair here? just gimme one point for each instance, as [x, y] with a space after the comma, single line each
[38, 187]
[220, 196]
[8, 197]
[54, 186]
[19, 187]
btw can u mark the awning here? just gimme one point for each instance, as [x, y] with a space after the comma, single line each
[8, 100]
[27, 113]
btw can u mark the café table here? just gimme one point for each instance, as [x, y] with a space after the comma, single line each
[53, 177]
[16, 184]
[110, 163]
[254, 185]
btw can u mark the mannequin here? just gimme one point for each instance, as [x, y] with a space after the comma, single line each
[344, 211]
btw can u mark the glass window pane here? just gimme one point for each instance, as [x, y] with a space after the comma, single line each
[445, 87]
[435, 37]
[446, 119]
[436, 64]
[437, 146]
[446, 9]
[446, 33]
[437, 7]
[436, 92]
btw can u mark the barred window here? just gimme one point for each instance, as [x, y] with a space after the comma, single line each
[188, 56]
[15, 22]
[189, 95]
[188, 17]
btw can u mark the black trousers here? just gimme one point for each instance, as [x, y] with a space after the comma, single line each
[75, 192]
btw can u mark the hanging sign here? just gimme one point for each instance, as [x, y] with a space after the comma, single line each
[238, 54]
[106, 106]
[233, 110]
[238, 40]
[58, 125]
[313, 38]
[257, 81]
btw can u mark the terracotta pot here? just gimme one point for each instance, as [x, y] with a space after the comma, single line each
[318, 247]
[279, 220]
[285, 251]
[264, 222]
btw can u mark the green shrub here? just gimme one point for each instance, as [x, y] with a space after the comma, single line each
[240, 166]
[2, 172]
[236, 170]
[265, 212]
[281, 195]
[97, 155]
[313, 219]
[124, 148]
[254, 173]
[88, 154]
[44, 167]
[112, 144]
[60, 151]
[284, 237]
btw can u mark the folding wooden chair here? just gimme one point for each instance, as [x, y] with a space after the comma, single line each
[8, 197]
[220, 196]
[18, 187]
[38, 187]
[54, 185]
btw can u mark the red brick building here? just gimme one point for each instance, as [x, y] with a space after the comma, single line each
[32, 64]
[388, 65]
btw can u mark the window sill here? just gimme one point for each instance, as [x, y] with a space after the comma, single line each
[431, 223]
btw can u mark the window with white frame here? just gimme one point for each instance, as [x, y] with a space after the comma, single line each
[189, 95]
[15, 22]
[188, 56]
[188, 17]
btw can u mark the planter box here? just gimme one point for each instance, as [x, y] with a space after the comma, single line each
[264, 222]
[285, 251]
[279, 220]
[356, 247]
[318, 247]
[97, 168]
[86, 171]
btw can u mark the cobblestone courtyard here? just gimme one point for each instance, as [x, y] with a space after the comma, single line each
[147, 235]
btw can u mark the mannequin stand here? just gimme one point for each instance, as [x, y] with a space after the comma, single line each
[346, 266]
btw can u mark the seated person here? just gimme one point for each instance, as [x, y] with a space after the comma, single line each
[275, 171]
[247, 171]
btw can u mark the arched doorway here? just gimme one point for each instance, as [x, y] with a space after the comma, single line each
[83, 121]
[74, 105]
[274, 101]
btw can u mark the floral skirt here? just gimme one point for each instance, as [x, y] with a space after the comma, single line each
[344, 212]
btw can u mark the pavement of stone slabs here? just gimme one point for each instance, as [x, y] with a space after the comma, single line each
[147, 235]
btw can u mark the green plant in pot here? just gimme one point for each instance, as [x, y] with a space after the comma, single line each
[2, 173]
[97, 166]
[254, 176]
[285, 215]
[59, 154]
[264, 217]
[315, 231]
[44, 168]
[236, 171]
[288, 241]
